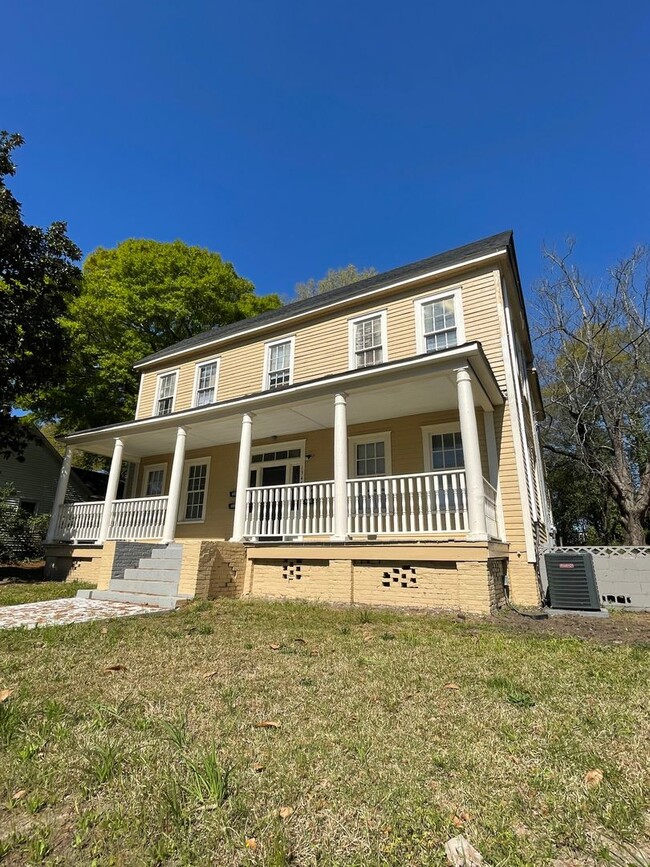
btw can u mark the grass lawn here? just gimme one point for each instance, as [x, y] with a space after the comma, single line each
[38, 591]
[245, 732]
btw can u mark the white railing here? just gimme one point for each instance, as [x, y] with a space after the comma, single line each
[142, 518]
[78, 522]
[415, 503]
[491, 510]
[290, 510]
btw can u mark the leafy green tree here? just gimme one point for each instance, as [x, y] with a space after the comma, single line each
[38, 280]
[138, 298]
[334, 279]
[594, 346]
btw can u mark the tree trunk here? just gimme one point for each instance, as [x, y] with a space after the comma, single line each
[634, 530]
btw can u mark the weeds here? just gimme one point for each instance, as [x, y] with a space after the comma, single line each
[208, 781]
[104, 761]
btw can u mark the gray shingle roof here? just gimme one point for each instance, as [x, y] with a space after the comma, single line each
[451, 257]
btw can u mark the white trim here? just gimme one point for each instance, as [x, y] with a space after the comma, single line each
[197, 367]
[160, 374]
[148, 468]
[418, 304]
[444, 360]
[360, 439]
[352, 323]
[288, 462]
[427, 431]
[140, 387]
[291, 340]
[192, 462]
[347, 300]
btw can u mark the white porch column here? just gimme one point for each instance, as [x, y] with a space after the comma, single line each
[472, 452]
[175, 482]
[340, 468]
[61, 490]
[493, 467]
[111, 491]
[243, 477]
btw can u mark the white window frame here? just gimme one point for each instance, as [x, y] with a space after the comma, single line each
[427, 432]
[456, 295]
[175, 372]
[183, 502]
[361, 439]
[291, 340]
[257, 467]
[145, 473]
[197, 373]
[352, 323]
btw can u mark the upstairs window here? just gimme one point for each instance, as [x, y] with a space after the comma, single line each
[205, 387]
[279, 363]
[165, 393]
[439, 323]
[368, 341]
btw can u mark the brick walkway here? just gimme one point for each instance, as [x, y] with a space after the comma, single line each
[59, 612]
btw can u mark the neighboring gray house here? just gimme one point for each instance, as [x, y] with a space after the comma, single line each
[36, 477]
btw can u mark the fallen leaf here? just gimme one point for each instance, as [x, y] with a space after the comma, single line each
[251, 843]
[19, 794]
[209, 674]
[258, 768]
[116, 667]
[300, 641]
[457, 822]
[274, 646]
[4, 694]
[521, 830]
[103, 631]
[451, 686]
[464, 816]
[593, 778]
[367, 638]
[285, 812]
[460, 853]
[267, 724]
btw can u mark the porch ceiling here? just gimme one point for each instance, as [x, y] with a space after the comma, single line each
[382, 393]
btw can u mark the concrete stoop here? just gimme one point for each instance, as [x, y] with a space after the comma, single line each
[153, 582]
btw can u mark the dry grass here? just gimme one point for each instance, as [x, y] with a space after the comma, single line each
[378, 759]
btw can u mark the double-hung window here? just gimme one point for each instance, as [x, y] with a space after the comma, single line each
[153, 483]
[279, 363]
[370, 455]
[195, 487]
[447, 451]
[205, 383]
[165, 393]
[439, 322]
[368, 340]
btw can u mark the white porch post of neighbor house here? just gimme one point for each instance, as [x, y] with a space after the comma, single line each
[243, 477]
[340, 468]
[61, 490]
[175, 483]
[111, 491]
[472, 453]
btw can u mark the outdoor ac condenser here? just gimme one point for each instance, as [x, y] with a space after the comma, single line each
[572, 582]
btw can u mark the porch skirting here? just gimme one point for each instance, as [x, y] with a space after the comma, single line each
[451, 575]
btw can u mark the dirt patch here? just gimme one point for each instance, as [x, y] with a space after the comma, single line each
[619, 628]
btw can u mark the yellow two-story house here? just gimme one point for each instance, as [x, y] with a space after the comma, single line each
[376, 444]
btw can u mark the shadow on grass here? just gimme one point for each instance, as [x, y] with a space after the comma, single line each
[23, 572]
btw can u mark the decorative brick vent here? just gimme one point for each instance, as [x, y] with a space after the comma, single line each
[294, 570]
[405, 576]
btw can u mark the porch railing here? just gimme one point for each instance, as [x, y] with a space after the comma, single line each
[79, 522]
[415, 503]
[142, 518]
[491, 510]
[290, 510]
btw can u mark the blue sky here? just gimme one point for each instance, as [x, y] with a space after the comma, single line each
[297, 136]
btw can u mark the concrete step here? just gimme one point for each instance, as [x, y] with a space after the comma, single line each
[172, 552]
[167, 602]
[150, 574]
[152, 588]
[167, 564]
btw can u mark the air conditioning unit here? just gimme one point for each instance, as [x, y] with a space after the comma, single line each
[572, 582]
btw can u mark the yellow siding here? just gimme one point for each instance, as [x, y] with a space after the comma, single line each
[322, 343]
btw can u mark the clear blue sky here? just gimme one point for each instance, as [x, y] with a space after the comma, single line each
[297, 136]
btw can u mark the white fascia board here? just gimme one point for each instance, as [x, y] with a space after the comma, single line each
[340, 303]
[349, 379]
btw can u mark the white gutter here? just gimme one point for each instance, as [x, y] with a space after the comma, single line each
[340, 303]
